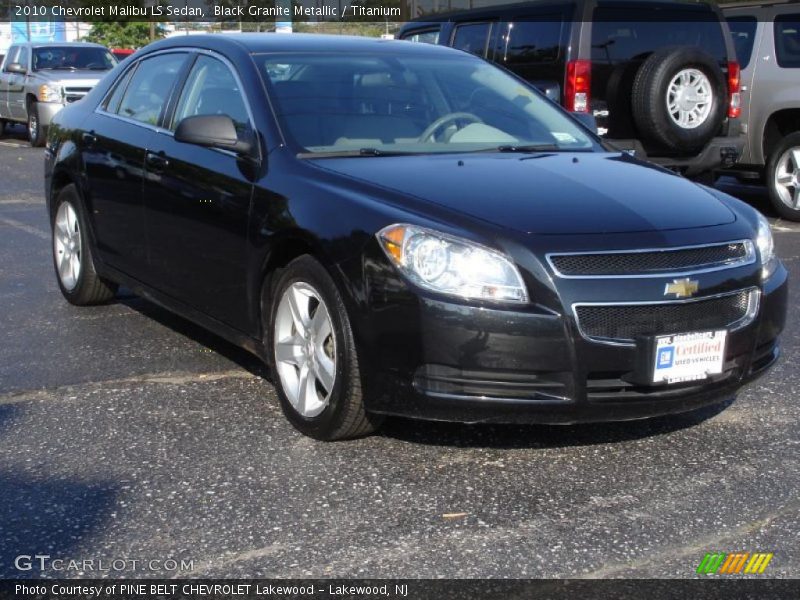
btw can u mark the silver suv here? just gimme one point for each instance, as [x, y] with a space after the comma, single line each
[37, 80]
[767, 40]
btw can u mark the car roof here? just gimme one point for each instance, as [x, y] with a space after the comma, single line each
[256, 43]
[61, 45]
[758, 4]
[519, 7]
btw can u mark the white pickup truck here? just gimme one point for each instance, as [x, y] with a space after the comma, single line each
[38, 79]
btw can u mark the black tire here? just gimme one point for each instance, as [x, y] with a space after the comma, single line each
[777, 156]
[2, 127]
[89, 287]
[36, 133]
[649, 99]
[344, 416]
[619, 91]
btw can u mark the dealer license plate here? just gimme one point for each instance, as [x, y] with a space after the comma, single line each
[689, 356]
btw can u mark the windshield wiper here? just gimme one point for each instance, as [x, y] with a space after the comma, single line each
[353, 153]
[59, 68]
[529, 148]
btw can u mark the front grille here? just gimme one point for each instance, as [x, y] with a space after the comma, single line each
[653, 262]
[73, 94]
[622, 323]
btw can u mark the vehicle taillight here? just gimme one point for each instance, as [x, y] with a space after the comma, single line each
[578, 85]
[734, 89]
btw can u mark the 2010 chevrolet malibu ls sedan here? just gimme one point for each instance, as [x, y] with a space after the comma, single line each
[405, 229]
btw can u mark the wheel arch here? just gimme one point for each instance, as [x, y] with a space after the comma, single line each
[779, 124]
[60, 179]
[282, 250]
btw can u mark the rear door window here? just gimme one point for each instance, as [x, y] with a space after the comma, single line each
[743, 31]
[112, 103]
[149, 89]
[622, 33]
[530, 41]
[472, 37]
[428, 36]
[787, 40]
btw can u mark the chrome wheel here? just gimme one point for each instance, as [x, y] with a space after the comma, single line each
[689, 98]
[305, 349]
[786, 179]
[67, 245]
[33, 127]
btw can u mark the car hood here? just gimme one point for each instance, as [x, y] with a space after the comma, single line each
[72, 78]
[549, 193]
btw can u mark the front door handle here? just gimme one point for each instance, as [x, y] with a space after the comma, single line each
[89, 139]
[156, 162]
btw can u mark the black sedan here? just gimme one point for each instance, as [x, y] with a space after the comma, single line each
[405, 229]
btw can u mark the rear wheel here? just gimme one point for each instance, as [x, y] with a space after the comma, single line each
[35, 129]
[72, 256]
[313, 355]
[783, 177]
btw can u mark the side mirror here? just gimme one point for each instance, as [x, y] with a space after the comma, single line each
[16, 68]
[212, 131]
[587, 119]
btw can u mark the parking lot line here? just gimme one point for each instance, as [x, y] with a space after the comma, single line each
[26, 228]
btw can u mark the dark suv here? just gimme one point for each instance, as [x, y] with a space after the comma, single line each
[661, 78]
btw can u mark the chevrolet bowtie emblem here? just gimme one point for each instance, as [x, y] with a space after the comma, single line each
[682, 288]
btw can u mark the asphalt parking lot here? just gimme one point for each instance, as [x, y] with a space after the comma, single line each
[128, 433]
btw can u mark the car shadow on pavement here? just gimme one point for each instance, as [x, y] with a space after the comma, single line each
[543, 436]
[14, 133]
[43, 514]
[196, 333]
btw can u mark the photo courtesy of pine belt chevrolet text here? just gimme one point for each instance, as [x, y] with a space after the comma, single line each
[402, 228]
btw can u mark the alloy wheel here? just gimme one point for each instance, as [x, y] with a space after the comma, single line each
[305, 349]
[67, 245]
[33, 126]
[689, 98]
[786, 179]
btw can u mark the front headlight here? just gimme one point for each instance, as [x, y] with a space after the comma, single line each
[450, 265]
[49, 93]
[766, 247]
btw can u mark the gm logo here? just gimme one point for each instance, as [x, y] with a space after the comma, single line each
[734, 564]
[666, 356]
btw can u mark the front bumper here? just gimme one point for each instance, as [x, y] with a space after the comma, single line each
[719, 153]
[48, 110]
[441, 360]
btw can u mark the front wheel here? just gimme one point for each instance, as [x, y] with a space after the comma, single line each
[313, 355]
[783, 177]
[72, 256]
[35, 129]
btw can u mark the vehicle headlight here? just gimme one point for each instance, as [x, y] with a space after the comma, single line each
[49, 93]
[450, 265]
[766, 247]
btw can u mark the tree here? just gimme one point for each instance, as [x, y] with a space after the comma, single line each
[134, 34]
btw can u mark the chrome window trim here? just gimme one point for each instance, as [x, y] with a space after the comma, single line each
[749, 259]
[753, 304]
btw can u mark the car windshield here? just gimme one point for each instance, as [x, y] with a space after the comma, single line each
[382, 104]
[72, 58]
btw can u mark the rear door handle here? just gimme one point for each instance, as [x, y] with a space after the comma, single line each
[156, 162]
